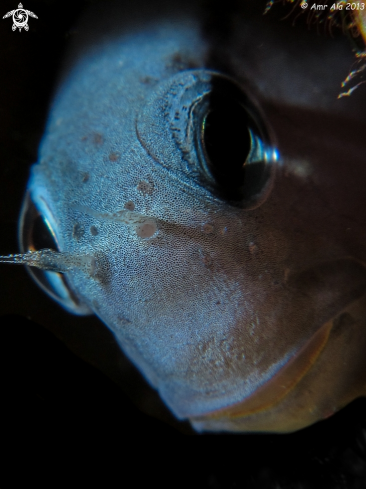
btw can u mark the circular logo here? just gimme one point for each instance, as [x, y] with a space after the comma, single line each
[304, 5]
[20, 18]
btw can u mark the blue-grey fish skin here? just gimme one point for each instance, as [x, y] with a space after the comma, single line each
[203, 296]
[154, 292]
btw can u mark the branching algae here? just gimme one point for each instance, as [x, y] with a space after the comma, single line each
[348, 16]
[204, 197]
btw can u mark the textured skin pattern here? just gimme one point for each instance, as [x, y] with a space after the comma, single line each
[208, 299]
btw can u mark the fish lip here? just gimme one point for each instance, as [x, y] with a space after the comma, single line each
[278, 387]
[271, 393]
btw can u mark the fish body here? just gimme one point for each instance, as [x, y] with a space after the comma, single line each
[239, 291]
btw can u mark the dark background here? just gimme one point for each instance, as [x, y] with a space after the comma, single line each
[86, 396]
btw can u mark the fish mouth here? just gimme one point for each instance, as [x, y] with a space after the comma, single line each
[339, 284]
[282, 383]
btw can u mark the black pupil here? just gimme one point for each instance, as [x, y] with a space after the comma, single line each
[227, 141]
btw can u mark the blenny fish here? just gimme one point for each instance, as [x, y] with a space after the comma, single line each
[203, 191]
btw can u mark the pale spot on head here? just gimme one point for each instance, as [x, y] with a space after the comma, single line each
[97, 138]
[145, 188]
[299, 168]
[146, 229]
[208, 228]
[113, 156]
[130, 206]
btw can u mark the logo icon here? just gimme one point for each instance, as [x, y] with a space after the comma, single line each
[20, 18]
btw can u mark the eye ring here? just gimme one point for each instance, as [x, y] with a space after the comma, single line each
[35, 232]
[177, 111]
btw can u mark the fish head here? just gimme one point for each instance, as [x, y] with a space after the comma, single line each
[194, 234]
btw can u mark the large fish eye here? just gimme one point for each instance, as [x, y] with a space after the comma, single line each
[225, 145]
[36, 233]
[233, 144]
